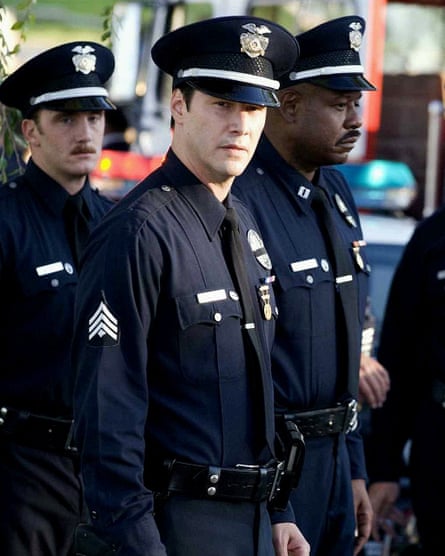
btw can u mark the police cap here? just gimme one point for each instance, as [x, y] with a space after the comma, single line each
[237, 58]
[69, 77]
[329, 56]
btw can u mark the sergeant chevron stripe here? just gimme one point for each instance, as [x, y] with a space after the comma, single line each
[103, 327]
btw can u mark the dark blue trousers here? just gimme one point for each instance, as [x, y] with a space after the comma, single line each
[208, 527]
[322, 502]
[40, 501]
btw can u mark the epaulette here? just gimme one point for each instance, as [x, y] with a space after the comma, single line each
[9, 187]
[153, 199]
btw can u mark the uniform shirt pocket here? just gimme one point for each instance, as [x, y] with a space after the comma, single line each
[46, 278]
[210, 339]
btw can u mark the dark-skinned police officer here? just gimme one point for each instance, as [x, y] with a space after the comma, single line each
[174, 397]
[62, 98]
[311, 231]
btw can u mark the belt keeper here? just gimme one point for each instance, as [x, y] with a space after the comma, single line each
[261, 491]
[213, 478]
[351, 417]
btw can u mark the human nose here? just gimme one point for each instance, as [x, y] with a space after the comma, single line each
[239, 121]
[83, 128]
[354, 118]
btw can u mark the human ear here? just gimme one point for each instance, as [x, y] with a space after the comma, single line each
[289, 104]
[30, 132]
[177, 105]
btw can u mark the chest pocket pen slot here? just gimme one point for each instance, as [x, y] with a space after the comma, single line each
[32, 283]
[297, 275]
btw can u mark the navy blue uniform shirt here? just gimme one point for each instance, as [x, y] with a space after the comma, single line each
[38, 280]
[162, 369]
[305, 355]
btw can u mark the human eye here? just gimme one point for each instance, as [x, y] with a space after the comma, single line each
[340, 106]
[222, 103]
[66, 119]
[95, 117]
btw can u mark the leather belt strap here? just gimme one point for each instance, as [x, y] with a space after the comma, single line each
[250, 483]
[37, 431]
[325, 422]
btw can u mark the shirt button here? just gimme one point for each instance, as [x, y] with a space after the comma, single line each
[324, 265]
[211, 491]
[166, 188]
[233, 295]
[260, 171]
[54, 283]
[12, 185]
[217, 317]
[309, 279]
[93, 514]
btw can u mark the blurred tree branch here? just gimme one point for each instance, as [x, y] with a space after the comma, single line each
[12, 34]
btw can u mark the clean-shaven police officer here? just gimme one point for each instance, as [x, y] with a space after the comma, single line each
[174, 397]
[62, 98]
[321, 281]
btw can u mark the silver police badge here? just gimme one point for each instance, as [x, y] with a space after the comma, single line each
[253, 43]
[355, 36]
[84, 61]
[258, 249]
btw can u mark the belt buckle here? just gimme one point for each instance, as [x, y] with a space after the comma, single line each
[351, 417]
[279, 472]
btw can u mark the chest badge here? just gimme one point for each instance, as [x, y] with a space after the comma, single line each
[264, 293]
[258, 249]
[356, 245]
[344, 211]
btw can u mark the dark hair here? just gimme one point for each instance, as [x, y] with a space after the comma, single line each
[187, 92]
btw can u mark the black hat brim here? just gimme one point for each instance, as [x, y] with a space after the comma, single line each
[236, 92]
[342, 83]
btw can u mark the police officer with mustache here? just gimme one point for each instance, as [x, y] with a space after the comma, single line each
[312, 233]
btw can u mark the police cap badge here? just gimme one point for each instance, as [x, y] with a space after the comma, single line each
[70, 76]
[329, 56]
[238, 58]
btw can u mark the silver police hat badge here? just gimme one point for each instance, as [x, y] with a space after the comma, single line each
[258, 249]
[254, 43]
[84, 61]
[355, 35]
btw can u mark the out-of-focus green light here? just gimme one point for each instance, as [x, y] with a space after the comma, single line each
[380, 184]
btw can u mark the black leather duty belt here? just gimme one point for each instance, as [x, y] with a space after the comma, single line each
[324, 422]
[243, 482]
[36, 431]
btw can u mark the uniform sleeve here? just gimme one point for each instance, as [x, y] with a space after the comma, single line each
[354, 444]
[391, 425]
[116, 300]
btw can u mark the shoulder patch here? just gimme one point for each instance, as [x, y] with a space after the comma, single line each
[103, 327]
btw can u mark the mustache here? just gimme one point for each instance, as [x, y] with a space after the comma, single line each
[353, 134]
[83, 149]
